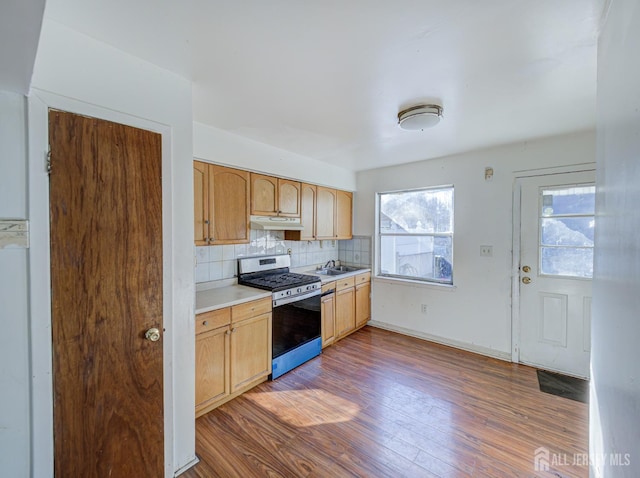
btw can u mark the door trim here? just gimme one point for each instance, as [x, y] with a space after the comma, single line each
[39, 102]
[515, 236]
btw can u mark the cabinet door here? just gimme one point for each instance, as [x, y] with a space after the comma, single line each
[363, 303]
[212, 366]
[344, 214]
[200, 203]
[307, 215]
[325, 213]
[264, 195]
[345, 307]
[288, 198]
[328, 305]
[229, 205]
[250, 350]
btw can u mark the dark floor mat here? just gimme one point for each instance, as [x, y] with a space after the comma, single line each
[564, 386]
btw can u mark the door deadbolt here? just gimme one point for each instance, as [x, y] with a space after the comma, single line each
[526, 269]
[153, 335]
[526, 280]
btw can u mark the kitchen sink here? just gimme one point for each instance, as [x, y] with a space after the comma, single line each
[337, 270]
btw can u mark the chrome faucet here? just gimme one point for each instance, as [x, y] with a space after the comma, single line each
[331, 262]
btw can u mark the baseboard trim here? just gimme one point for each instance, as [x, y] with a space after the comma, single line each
[506, 356]
[184, 468]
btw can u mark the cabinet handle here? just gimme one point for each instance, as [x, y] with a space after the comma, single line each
[206, 221]
[228, 332]
[233, 330]
[206, 322]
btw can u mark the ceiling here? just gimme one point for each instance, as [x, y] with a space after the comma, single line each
[20, 22]
[326, 79]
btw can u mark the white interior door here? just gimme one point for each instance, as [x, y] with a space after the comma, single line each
[556, 266]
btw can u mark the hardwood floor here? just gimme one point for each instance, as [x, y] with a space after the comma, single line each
[380, 404]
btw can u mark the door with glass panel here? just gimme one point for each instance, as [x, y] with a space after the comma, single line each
[556, 266]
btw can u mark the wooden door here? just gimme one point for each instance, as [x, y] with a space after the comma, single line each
[363, 303]
[212, 366]
[345, 305]
[250, 350]
[201, 203]
[325, 213]
[106, 288]
[344, 213]
[264, 195]
[288, 198]
[229, 205]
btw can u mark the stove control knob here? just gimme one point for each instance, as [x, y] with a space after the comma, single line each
[299, 290]
[288, 292]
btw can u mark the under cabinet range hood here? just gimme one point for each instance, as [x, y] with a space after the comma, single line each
[272, 223]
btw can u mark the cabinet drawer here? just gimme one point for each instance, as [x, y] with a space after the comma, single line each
[345, 283]
[364, 277]
[212, 320]
[329, 286]
[250, 309]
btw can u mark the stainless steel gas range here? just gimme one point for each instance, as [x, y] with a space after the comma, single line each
[296, 309]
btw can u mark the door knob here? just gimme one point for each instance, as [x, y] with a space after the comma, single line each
[526, 280]
[153, 335]
[526, 269]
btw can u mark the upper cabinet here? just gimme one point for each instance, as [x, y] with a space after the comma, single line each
[272, 196]
[344, 214]
[224, 199]
[325, 214]
[221, 204]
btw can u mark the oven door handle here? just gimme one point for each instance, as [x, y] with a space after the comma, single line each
[296, 298]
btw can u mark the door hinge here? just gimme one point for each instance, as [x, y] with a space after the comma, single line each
[49, 162]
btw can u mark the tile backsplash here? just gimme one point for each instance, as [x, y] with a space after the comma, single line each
[220, 262]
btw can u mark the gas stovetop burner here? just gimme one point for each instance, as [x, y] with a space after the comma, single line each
[277, 281]
[272, 273]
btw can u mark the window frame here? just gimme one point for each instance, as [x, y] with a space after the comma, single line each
[542, 217]
[379, 235]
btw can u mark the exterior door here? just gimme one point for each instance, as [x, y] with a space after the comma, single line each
[556, 266]
[106, 283]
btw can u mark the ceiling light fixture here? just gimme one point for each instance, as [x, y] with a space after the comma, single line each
[420, 117]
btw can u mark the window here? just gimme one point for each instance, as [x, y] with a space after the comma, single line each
[566, 231]
[415, 234]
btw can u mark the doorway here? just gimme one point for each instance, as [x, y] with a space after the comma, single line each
[554, 271]
[105, 197]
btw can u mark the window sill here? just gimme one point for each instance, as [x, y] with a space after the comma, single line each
[416, 283]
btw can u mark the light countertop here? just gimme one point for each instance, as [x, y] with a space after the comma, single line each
[327, 278]
[220, 297]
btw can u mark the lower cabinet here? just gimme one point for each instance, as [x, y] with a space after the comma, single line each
[352, 304]
[250, 351]
[233, 352]
[345, 313]
[328, 312]
[212, 366]
[363, 303]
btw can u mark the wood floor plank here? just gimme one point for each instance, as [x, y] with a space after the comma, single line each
[380, 404]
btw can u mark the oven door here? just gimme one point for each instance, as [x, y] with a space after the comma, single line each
[295, 324]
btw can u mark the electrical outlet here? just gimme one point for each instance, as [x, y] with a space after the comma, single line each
[486, 251]
[423, 308]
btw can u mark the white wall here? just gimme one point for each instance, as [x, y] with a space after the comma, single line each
[615, 328]
[90, 77]
[14, 323]
[217, 146]
[476, 313]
